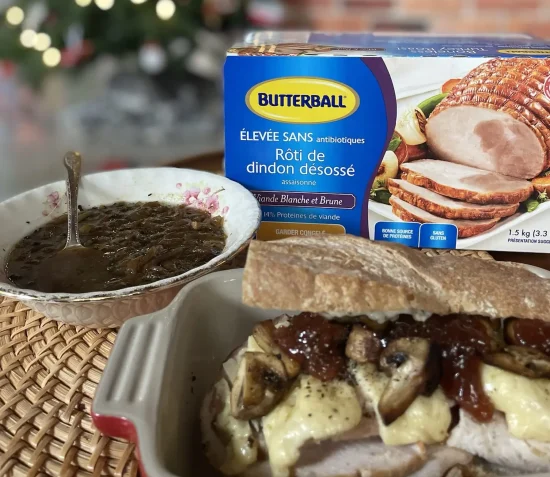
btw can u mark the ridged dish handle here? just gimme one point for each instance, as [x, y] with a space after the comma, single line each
[127, 396]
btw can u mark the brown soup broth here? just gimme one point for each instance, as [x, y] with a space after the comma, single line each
[143, 241]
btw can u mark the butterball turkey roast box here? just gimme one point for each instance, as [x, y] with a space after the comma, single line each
[430, 141]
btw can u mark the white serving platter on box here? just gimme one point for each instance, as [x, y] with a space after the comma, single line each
[495, 238]
[413, 85]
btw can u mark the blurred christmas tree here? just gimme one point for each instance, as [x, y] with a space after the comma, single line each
[167, 39]
[134, 79]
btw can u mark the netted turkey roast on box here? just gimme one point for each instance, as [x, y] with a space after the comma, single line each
[496, 118]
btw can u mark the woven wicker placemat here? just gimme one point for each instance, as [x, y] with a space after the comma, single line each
[48, 375]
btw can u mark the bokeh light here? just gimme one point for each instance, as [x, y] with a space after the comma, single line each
[51, 57]
[42, 42]
[105, 4]
[27, 38]
[15, 15]
[165, 9]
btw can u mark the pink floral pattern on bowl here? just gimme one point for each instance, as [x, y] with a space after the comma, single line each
[201, 198]
[204, 199]
[53, 201]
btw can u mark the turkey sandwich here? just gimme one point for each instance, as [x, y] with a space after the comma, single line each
[391, 364]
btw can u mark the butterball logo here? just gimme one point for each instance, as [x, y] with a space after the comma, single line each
[302, 100]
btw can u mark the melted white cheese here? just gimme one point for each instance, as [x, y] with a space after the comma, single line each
[313, 410]
[525, 402]
[241, 450]
[426, 420]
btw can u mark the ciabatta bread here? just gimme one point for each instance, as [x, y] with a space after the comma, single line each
[348, 275]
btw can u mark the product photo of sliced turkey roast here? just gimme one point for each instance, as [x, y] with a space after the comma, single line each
[445, 207]
[474, 200]
[465, 228]
[466, 183]
[497, 118]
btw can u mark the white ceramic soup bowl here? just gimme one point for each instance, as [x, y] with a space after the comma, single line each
[26, 212]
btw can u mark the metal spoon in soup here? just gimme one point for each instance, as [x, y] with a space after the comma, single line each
[75, 268]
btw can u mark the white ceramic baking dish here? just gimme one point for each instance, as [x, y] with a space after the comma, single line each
[163, 364]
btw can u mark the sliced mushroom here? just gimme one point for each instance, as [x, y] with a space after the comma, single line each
[510, 334]
[260, 385]
[363, 345]
[263, 334]
[414, 366]
[527, 362]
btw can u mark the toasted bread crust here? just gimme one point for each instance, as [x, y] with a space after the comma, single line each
[463, 231]
[347, 275]
[467, 195]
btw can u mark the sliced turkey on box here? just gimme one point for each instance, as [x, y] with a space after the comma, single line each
[445, 207]
[497, 118]
[466, 228]
[466, 183]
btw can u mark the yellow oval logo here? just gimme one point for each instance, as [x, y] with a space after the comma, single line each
[302, 100]
[526, 51]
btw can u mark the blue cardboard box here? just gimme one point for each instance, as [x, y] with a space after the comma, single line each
[431, 141]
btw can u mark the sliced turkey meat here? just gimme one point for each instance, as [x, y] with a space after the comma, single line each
[494, 443]
[466, 228]
[466, 183]
[441, 459]
[365, 458]
[445, 207]
[496, 118]
[487, 139]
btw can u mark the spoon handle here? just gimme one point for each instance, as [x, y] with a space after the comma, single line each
[72, 162]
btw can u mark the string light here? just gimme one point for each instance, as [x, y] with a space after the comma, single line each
[51, 57]
[165, 9]
[27, 38]
[15, 15]
[83, 3]
[42, 42]
[138, 2]
[105, 4]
